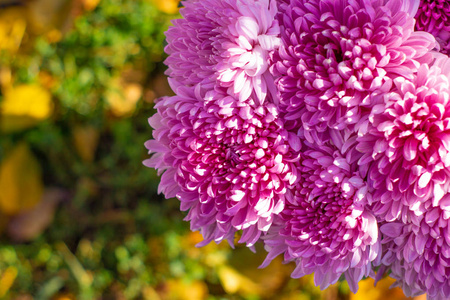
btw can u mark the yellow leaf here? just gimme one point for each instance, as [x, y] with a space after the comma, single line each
[7, 280]
[20, 181]
[23, 106]
[167, 6]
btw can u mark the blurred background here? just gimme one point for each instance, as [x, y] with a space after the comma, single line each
[80, 217]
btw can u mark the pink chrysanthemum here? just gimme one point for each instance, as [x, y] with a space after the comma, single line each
[229, 163]
[312, 123]
[419, 255]
[326, 227]
[409, 144]
[433, 16]
[335, 54]
[225, 42]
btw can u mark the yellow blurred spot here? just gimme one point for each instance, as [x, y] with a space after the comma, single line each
[5, 77]
[54, 36]
[64, 297]
[177, 289]
[12, 28]
[167, 6]
[123, 97]
[85, 139]
[233, 282]
[367, 290]
[23, 106]
[7, 280]
[85, 248]
[90, 4]
[20, 181]
[149, 293]
[27, 100]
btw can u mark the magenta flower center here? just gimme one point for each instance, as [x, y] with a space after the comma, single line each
[338, 55]
[433, 15]
[329, 202]
[417, 130]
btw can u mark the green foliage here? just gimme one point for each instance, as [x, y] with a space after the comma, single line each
[117, 33]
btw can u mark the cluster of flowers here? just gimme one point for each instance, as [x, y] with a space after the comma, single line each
[319, 127]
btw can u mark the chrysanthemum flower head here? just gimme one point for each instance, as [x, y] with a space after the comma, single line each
[418, 255]
[433, 16]
[226, 43]
[309, 124]
[409, 144]
[326, 227]
[335, 54]
[229, 163]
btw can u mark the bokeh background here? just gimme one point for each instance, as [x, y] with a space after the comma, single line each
[80, 217]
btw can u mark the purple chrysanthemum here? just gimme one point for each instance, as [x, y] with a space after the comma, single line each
[220, 142]
[310, 124]
[227, 43]
[418, 256]
[409, 144]
[335, 54]
[229, 163]
[326, 227]
[433, 16]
